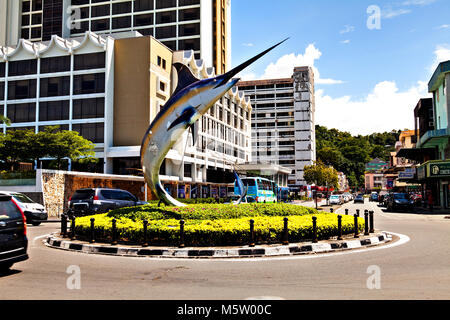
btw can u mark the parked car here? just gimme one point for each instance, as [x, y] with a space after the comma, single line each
[359, 198]
[400, 201]
[373, 196]
[386, 199]
[91, 201]
[336, 199]
[34, 212]
[13, 233]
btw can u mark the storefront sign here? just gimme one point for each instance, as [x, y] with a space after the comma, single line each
[439, 169]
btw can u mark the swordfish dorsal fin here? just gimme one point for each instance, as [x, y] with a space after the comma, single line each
[185, 77]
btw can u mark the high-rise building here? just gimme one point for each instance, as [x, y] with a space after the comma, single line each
[199, 25]
[283, 126]
[109, 88]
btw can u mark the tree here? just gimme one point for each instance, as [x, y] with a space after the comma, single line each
[16, 146]
[321, 175]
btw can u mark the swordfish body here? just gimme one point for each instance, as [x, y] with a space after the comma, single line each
[190, 101]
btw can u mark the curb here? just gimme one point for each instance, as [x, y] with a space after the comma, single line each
[242, 252]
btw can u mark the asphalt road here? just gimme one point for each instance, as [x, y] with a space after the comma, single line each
[417, 269]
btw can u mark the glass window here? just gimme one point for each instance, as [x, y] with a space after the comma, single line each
[9, 211]
[55, 64]
[36, 32]
[22, 67]
[189, 44]
[189, 14]
[91, 131]
[25, 33]
[100, 11]
[2, 92]
[143, 20]
[89, 61]
[166, 17]
[26, 6]
[84, 26]
[100, 25]
[83, 194]
[23, 89]
[121, 22]
[54, 110]
[51, 87]
[161, 4]
[146, 32]
[191, 29]
[25, 20]
[24, 112]
[89, 108]
[36, 18]
[143, 5]
[121, 7]
[188, 2]
[22, 198]
[79, 2]
[166, 32]
[170, 44]
[37, 5]
[89, 83]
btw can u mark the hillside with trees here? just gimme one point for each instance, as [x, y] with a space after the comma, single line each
[349, 154]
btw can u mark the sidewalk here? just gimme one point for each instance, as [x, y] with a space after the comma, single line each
[436, 210]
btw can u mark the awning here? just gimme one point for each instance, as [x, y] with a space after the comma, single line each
[416, 154]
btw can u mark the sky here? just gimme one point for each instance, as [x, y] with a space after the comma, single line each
[372, 59]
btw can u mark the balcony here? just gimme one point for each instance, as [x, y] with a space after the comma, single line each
[434, 138]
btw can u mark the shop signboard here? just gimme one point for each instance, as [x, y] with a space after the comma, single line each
[439, 169]
[181, 192]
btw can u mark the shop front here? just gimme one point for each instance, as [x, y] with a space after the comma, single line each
[435, 177]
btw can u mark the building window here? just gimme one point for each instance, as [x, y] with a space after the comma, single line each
[100, 11]
[100, 25]
[161, 4]
[91, 131]
[51, 87]
[84, 26]
[89, 83]
[146, 32]
[89, 108]
[26, 6]
[162, 86]
[189, 14]
[161, 62]
[143, 5]
[89, 61]
[121, 22]
[22, 67]
[189, 44]
[36, 33]
[2, 92]
[122, 7]
[23, 89]
[188, 170]
[55, 64]
[143, 20]
[192, 29]
[188, 2]
[36, 5]
[54, 110]
[166, 32]
[24, 112]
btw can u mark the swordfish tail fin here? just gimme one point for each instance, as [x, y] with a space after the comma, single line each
[165, 197]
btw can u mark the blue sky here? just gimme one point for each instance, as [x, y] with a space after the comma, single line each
[363, 75]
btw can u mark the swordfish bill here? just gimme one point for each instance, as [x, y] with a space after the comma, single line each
[191, 99]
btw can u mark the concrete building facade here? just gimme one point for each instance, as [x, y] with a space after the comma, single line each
[283, 122]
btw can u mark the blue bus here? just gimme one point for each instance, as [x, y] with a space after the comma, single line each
[283, 194]
[259, 190]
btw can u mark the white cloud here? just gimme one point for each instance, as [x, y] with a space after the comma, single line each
[248, 44]
[389, 12]
[347, 29]
[418, 2]
[285, 65]
[345, 41]
[444, 26]
[442, 54]
[384, 109]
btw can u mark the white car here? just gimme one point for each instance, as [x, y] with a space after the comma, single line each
[33, 211]
[336, 199]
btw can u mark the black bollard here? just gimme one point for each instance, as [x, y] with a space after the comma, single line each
[63, 225]
[92, 231]
[366, 222]
[331, 210]
[339, 227]
[252, 233]
[314, 229]
[357, 212]
[356, 226]
[346, 212]
[181, 234]
[285, 232]
[145, 243]
[372, 230]
[72, 229]
[114, 232]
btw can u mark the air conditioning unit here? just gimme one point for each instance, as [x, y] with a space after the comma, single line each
[431, 124]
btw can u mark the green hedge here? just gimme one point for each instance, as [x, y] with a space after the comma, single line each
[214, 225]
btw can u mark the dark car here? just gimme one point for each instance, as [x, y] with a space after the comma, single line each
[359, 198]
[400, 201]
[373, 196]
[100, 200]
[13, 233]
[386, 199]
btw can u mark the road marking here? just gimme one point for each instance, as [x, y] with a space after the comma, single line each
[40, 237]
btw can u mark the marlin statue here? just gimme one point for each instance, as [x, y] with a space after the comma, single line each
[242, 190]
[191, 99]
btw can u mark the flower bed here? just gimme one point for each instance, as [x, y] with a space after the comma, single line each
[214, 225]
